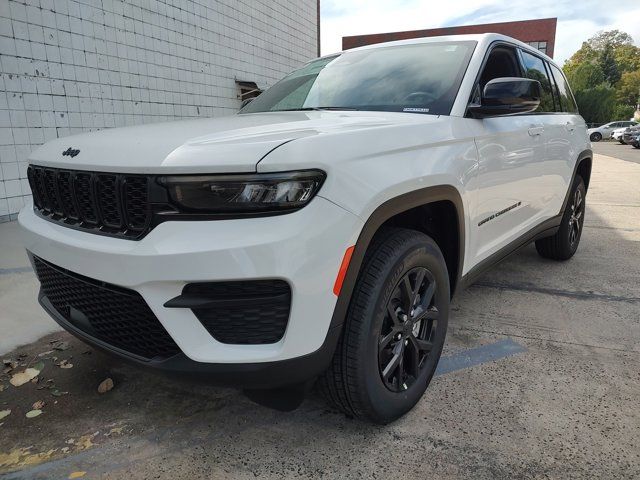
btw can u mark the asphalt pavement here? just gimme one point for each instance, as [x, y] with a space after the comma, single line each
[540, 379]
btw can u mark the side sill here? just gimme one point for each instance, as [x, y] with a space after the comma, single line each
[545, 229]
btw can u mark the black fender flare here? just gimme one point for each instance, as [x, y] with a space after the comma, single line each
[380, 215]
[583, 156]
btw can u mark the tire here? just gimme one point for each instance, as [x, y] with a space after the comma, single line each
[595, 137]
[564, 243]
[370, 347]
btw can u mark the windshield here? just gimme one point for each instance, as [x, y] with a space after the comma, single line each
[415, 78]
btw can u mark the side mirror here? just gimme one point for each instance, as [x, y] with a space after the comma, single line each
[506, 96]
[246, 102]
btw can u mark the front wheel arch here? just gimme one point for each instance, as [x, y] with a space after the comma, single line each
[381, 215]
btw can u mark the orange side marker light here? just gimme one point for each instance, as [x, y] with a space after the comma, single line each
[344, 266]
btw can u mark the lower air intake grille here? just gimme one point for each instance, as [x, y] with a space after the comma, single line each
[114, 315]
[243, 313]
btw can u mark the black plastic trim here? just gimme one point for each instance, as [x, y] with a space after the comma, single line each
[545, 229]
[203, 301]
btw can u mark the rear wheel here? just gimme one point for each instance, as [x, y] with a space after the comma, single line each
[395, 328]
[595, 137]
[564, 243]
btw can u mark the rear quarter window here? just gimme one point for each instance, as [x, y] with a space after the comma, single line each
[567, 102]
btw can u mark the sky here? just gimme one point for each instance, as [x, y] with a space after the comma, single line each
[577, 19]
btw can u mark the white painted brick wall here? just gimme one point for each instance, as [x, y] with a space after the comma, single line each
[69, 66]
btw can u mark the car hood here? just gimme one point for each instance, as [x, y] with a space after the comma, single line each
[220, 145]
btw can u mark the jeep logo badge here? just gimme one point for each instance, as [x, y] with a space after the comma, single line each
[71, 152]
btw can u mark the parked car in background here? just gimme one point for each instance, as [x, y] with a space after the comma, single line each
[635, 141]
[605, 131]
[618, 133]
[629, 133]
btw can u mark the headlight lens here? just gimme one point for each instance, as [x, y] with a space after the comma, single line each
[253, 193]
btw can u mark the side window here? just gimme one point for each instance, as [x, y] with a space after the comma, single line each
[534, 69]
[567, 101]
[502, 62]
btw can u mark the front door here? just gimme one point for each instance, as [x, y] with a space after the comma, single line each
[511, 195]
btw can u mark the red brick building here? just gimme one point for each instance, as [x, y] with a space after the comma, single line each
[540, 34]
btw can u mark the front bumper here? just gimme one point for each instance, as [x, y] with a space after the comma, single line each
[262, 375]
[304, 248]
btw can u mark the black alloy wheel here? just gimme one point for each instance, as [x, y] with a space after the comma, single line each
[406, 337]
[577, 216]
[563, 244]
[394, 330]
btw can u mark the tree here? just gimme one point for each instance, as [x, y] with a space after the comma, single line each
[627, 58]
[605, 76]
[596, 104]
[612, 38]
[622, 112]
[608, 65]
[628, 89]
[585, 75]
[625, 53]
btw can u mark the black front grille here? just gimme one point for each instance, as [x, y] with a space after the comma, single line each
[118, 317]
[107, 203]
[243, 313]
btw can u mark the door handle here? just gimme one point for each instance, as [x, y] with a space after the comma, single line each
[570, 126]
[533, 131]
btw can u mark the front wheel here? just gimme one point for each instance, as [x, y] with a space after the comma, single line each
[595, 137]
[395, 328]
[564, 243]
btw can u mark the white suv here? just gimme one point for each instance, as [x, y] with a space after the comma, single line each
[321, 232]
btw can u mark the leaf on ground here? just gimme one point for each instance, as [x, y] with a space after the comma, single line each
[114, 431]
[25, 376]
[7, 362]
[33, 413]
[57, 393]
[65, 364]
[4, 413]
[105, 385]
[61, 346]
[2, 387]
[48, 352]
[38, 405]
[77, 475]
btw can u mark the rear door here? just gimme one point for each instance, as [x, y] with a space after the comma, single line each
[564, 146]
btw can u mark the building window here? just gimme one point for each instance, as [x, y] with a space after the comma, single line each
[540, 45]
[247, 90]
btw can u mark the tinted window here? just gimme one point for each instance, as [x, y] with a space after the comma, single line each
[418, 78]
[568, 104]
[534, 69]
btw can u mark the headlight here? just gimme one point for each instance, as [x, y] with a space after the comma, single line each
[253, 193]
